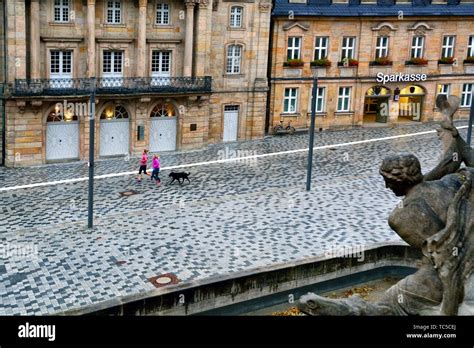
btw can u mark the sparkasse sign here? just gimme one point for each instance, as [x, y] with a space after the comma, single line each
[400, 77]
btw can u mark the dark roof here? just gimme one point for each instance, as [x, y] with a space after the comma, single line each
[384, 8]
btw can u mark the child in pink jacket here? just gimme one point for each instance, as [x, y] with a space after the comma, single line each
[156, 169]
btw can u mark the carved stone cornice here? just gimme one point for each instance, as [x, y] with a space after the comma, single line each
[189, 3]
[264, 6]
[203, 3]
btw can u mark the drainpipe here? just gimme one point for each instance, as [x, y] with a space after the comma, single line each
[2, 84]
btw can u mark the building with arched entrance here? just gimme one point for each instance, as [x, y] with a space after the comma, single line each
[378, 62]
[165, 78]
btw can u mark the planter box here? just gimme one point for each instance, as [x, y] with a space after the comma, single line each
[348, 71]
[319, 71]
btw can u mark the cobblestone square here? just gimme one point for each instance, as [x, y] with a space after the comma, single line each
[234, 216]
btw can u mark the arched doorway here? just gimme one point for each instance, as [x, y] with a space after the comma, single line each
[411, 103]
[62, 135]
[376, 105]
[114, 131]
[163, 124]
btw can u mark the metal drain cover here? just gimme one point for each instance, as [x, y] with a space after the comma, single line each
[163, 280]
[128, 193]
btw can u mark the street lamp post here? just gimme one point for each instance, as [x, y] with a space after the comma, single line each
[471, 120]
[90, 215]
[311, 133]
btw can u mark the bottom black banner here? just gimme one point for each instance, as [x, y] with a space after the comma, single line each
[136, 331]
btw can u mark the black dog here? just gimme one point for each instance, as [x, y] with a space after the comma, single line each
[179, 176]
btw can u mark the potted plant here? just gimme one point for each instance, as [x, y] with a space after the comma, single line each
[417, 61]
[446, 60]
[294, 63]
[324, 62]
[382, 61]
[349, 62]
[469, 60]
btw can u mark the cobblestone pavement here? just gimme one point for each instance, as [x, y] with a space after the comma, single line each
[232, 217]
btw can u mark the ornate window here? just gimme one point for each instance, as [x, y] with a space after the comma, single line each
[234, 58]
[113, 112]
[61, 11]
[60, 115]
[114, 12]
[162, 14]
[163, 110]
[236, 16]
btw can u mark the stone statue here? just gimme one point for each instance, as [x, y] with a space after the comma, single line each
[436, 216]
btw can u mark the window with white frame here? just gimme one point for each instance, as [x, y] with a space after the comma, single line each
[348, 47]
[344, 99]
[236, 16]
[114, 12]
[61, 11]
[161, 63]
[470, 46]
[444, 89]
[321, 47]
[466, 95]
[61, 64]
[381, 47]
[112, 68]
[112, 63]
[290, 102]
[417, 44]
[234, 58]
[60, 70]
[448, 46]
[162, 14]
[294, 47]
[320, 99]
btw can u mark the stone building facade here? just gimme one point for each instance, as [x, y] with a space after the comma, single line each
[167, 74]
[364, 54]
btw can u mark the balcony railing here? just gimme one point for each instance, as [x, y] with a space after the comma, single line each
[112, 85]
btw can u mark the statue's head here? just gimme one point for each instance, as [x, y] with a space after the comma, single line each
[401, 172]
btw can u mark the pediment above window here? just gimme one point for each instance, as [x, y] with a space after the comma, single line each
[290, 25]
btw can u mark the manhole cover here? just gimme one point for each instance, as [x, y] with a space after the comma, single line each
[164, 279]
[128, 193]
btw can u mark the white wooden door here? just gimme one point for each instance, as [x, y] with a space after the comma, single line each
[231, 123]
[114, 137]
[62, 140]
[163, 134]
